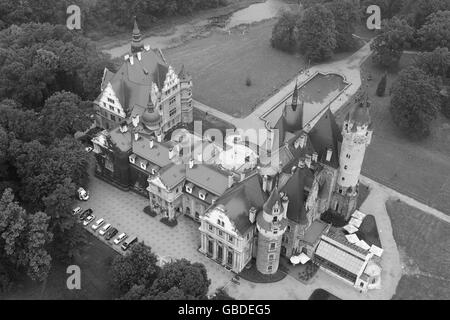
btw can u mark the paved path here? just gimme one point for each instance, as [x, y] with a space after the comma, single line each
[408, 200]
[349, 68]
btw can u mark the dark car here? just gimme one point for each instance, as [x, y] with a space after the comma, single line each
[111, 233]
[86, 213]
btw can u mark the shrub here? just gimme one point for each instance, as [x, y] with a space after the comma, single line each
[381, 89]
[171, 223]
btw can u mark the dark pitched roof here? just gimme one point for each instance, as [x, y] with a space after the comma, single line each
[238, 200]
[295, 190]
[326, 134]
[158, 155]
[132, 82]
[172, 175]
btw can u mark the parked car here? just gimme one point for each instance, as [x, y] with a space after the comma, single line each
[120, 238]
[98, 224]
[86, 213]
[111, 233]
[88, 219]
[83, 195]
[128, 243]
[77, 210]
[104, 229]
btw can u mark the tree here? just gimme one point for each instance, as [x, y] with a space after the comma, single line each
[137, 268]
[285, 32]
[24, 238]
[181, 280]
[346, 16]
[381, 89]
[317, 34]
[415, 102]
[388, 46]
[436, 63]
[445, 107]
[436, 31]
[65, 114]
[424, 8]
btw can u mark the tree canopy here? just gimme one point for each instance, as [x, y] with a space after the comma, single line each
[436, 31]
[415, 102]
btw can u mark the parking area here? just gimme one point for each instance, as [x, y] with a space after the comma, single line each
[124, 210]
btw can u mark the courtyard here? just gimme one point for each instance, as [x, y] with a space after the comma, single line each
[124, 210]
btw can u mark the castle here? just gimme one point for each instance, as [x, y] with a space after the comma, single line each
[248, 206]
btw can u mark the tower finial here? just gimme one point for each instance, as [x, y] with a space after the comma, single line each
[136, 42]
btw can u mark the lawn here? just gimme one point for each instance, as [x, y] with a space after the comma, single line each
[94, 265]
[424, 243]
[221, 63]
[321, 294]
[418, 169]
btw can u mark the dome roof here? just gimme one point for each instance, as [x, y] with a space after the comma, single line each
[151, 117]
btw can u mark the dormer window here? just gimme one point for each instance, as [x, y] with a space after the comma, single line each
[153, 171]
[189, 188]
[132, 158]
[275, 219]
[144, 165]
[202, 194]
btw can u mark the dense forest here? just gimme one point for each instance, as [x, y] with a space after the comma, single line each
[100, 16]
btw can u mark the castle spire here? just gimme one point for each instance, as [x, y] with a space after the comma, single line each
[136, 41]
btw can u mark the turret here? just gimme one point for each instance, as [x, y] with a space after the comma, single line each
[293, 114]
[187, 110]
[136, 41]
[271, 224]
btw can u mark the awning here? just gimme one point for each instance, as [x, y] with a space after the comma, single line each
[376, 250]
[363, 245]
[350, 228]
[302, 258]
[358, 215]
[355, 222]
[352, 238]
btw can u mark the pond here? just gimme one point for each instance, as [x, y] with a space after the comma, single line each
[317, 93]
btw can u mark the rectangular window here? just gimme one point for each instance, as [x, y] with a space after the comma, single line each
[272, 246]
[230, 258]
[230, 238]
[269, 269]
[210, 227]
[172, 112]
[172, 100]
[110, 100]
[271, 257]
[220, 233]
[113, 118]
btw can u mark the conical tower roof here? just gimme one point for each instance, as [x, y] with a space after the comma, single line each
[136, 42]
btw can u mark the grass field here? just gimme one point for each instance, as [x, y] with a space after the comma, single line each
[418, 169]
[424, 243]
[94, 265]
[221, 63]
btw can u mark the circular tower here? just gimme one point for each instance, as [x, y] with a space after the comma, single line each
[357, 135]
[187, 109]
[271, 224]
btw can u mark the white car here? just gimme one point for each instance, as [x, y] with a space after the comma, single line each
[88, 149]
[77, 210]
[98, 224]
[105, 229]
[120, 238]
[88, 219]
[83, 195]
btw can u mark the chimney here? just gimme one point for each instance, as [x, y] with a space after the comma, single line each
[171, 153]
[147, 47]
[252, 215]
[329, 154]
[151, 143]
[127, 56]
[191, 163]
[242, 176]
[230, 181]
[264, 186]
[159, 137]
[285, 203]
[135, 121]
[293, 169]
[131, 60]
[315, 157]
[136, 136]
[139, 56]
[123, 127]
[199, 158]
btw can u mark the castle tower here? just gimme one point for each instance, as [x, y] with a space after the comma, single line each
[136, 41]
[357, 135]
[187, 109]
[271, 224]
